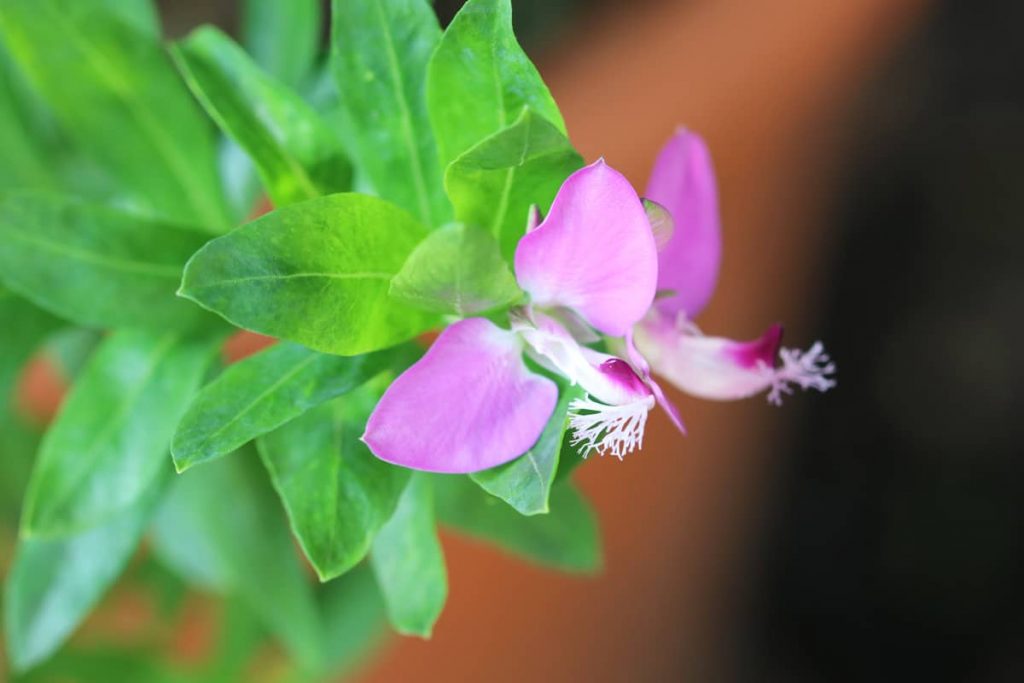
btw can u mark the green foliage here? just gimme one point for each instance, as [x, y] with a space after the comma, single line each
[380, 50]
[118, 96]
[409, 563]
[567, 537]
[336, 493]
[316, 273]
[525, 483]
[458, 270]
[221, 522]
[114, 196]
[479, 80]
[55, 582]
[296, 153]
[110, 439]
[283, 37]
[495, 182]
[266, 390]
[92, 264]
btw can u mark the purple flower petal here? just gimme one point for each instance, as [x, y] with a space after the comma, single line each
[722, 369]
[683, 181]
[594, 252]
[644, 369]
[469, 404]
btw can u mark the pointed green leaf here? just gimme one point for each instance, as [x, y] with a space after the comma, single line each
[111, 437]
[223, 524]
[94, 265]
[567, 537]
[525, 483]
[296, 153]
[380, 50]
[459, 270]
[282, 37]
[353, 619]
[264, 391]
[479, 79]
[495, 183]
[316, 273]
[118, 96]
[409, 563]
[54, 583]
[336, 493]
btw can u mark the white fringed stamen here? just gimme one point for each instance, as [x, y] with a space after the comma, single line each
[809, 370]
[614, 429]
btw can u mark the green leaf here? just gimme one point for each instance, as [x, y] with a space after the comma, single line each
[479, 80]
[25, 159]
[459, 270]
[495, 183]
[118, 96]
[353, 619]
[409, 563]
[567, 537]
[55, 583]
[266, 390]
[380, 50]
[139, 14]
[282, 37]
[525, 483]
[316, 273]
[92, 264]
[336, 493]
[111, 437]
[296, 154]
[222, 523]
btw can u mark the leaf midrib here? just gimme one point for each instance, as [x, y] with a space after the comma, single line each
[159, 354]
[137, 267]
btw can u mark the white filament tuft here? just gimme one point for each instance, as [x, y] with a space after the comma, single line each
[809, 370]
[614, 429]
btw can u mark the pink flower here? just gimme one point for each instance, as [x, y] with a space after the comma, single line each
[683, 182]
[472, 402]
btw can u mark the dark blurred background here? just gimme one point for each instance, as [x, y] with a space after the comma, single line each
[871, 162]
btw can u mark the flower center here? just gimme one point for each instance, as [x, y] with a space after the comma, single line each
[614, 429]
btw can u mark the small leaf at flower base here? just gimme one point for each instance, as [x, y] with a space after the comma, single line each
[111, 437]
[296, 153]
[266, 390]
[380, 50]
[566, 538]
[409, 563]
[479, 80]
[525, 483]
[282, 37]
[316, 273]
[495, 183]
[116, 94]
[94, 265]
[570, 458]
[222, 524]
[662, 223]
[55, 582]
[459, 270]
[337, 495]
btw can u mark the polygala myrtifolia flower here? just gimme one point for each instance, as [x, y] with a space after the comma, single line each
[472, 403]
[591, 267]
[683, 182]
